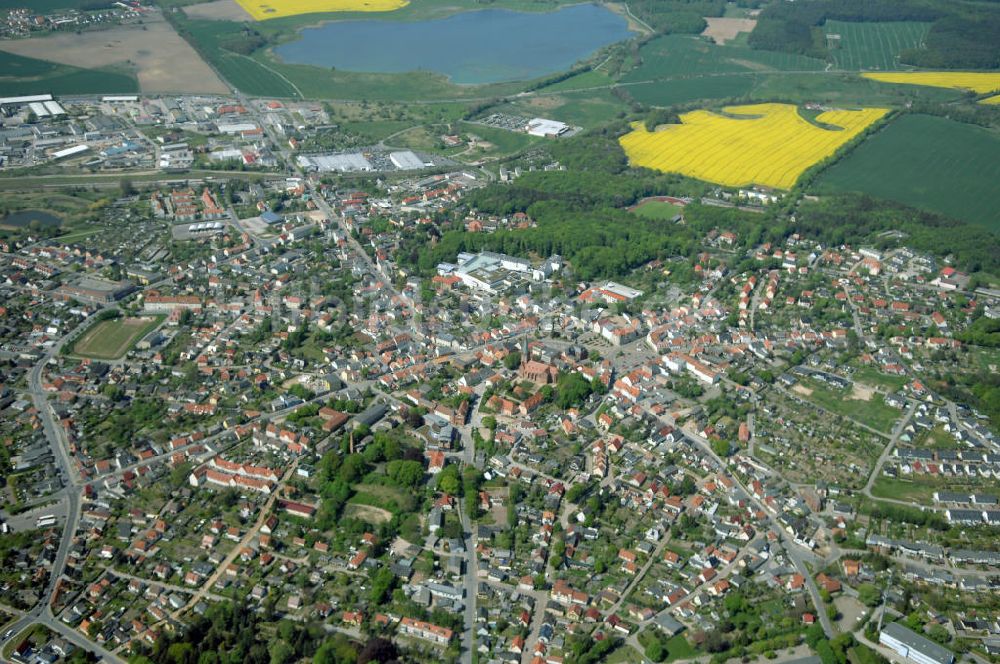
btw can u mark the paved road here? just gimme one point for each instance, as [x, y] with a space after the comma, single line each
[55, 434]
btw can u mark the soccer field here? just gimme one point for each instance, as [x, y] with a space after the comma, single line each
[111, 339]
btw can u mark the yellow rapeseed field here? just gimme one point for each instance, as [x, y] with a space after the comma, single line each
[995, 99]
[264, 9]
[770, 145]
[980, 82]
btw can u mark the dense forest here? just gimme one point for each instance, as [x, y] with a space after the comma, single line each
[681, 16]
[960, 42]
[963, 35]
[677, 16]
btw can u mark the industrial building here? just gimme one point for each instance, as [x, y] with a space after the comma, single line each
[493, 272]
[348, 162]
[913, 646]
[406, 160]
[95, 290]
[546, 128]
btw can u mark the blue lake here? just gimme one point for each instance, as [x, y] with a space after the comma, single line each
[476, 47]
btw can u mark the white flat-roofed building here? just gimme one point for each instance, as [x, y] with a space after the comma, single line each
[913, 646]
[70, 152]
[118, 99]
[38, 108]
[489, 271]
[26, 99]
[236, 127]
[54, 108]
[347, 162]
[406, 160]
[621, 290]
[546, 128]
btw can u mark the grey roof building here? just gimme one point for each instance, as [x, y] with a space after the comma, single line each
[913, 646]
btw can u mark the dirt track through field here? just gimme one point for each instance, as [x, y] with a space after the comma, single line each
[160, 58]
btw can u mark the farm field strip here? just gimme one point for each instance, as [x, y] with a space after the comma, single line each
[262, 10]
[975, 81]
[771, 146]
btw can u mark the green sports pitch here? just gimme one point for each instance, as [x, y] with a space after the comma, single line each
[111, 339]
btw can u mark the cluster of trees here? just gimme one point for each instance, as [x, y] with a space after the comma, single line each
[572, 389]
[980, 389]
[124, 423]
[841, 649]
[234, 634]
[983, 332]
[903, 514]
[679, 16]
[581, 649]
[244, 43]
[962, 36]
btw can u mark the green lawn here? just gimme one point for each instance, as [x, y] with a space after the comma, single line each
[920, 489]
[887, 487]
[25, 76]
[927, 162]
[874, 412]
[624, 655]
[657, 210]
[874, 377]
[583, 108]
[876, 46]
[505, 141]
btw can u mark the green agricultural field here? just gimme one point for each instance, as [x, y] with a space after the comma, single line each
[26, 76]
[927, 162]
[687, 56]
[588, 79]
[110, 339]
[864, 46]
[845, 89]
[687, 90]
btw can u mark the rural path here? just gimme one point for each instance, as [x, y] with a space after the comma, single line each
[889, 447]
[656, 555]
[244, 542]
